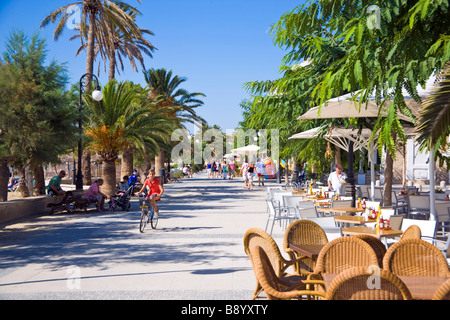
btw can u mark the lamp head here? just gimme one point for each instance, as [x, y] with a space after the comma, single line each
[97, 95]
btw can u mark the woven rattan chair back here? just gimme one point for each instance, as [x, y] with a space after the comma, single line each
[362, 283]
[412, 232]
[258, 237]
[415, 257]
[344, 253]
[443, 292]
[255, 237]
[303, 232]
[274, 288]
[376, 244]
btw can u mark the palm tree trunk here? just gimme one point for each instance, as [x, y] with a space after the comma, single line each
[109, 177]
[388, 177]
[23, 187]
[90, 54]
[112, 66]
[39, 184]
[159, 161]
[127, 162]
[86, 167]
[4, 180]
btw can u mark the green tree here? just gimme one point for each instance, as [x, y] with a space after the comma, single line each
[176, 103]
[35, 117]
[381, 47]
[124, 117]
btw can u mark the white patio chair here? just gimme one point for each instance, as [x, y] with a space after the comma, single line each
[443, 215]
[276, 214]
[278, 196]
[427, 227]
[307, 212]
[271, 190]
[341, 203]
[329, 226]
[290, 205]
[419, 206]
[378, 196]
[400, 203]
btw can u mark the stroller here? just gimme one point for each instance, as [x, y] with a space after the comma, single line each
[122, 200]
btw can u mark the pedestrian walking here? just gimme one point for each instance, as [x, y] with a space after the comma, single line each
[260, 171]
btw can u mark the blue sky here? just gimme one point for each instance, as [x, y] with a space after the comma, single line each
[217, 45]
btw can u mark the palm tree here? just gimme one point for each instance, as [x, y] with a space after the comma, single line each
[131, 46]
[178, 104]
[100, 19]
[434, 119]
[121, 119]
[96, 15]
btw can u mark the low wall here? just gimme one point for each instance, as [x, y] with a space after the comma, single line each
[21, 208]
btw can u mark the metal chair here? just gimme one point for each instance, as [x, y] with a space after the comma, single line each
[307, 212]
[400, 203]
[341, 203]
[443, 215]
[419, 206]
[290, 205]
[427, 227]
[276, 213]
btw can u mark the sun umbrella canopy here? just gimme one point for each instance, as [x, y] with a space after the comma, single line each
[344, 107]
[246, 149]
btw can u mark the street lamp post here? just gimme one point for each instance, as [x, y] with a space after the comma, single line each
[97, 96]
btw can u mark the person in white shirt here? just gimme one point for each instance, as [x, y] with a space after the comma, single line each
[260, 171]
[336, 180]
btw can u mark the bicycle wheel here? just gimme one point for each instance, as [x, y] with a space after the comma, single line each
[153, 219]
[144, 220]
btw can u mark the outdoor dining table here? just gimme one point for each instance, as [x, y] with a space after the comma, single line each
[310, 250]
[343, 210]
[381, 233]
[421, 288]
[347, 219]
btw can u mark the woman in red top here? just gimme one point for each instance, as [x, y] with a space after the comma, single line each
[156, 188]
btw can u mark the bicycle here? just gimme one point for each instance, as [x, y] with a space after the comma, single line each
[147, 216]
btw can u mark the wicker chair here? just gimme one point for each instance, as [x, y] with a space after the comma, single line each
[377, 246]
[256, 237]
[412, 232]
[275, 288]
[415, 257]
[356, 284]
[339, 255]
[443, 292]
[303, 232]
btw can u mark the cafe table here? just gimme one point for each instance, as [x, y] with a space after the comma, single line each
[381, 233]
[343, 210]
[420, 287]
[310, 250]
[359, 220]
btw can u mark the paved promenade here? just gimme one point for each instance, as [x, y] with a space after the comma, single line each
[195, 253]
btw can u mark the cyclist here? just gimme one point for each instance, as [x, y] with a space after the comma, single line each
[156, 189]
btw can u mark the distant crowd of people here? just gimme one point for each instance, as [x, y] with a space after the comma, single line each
[249, 171]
